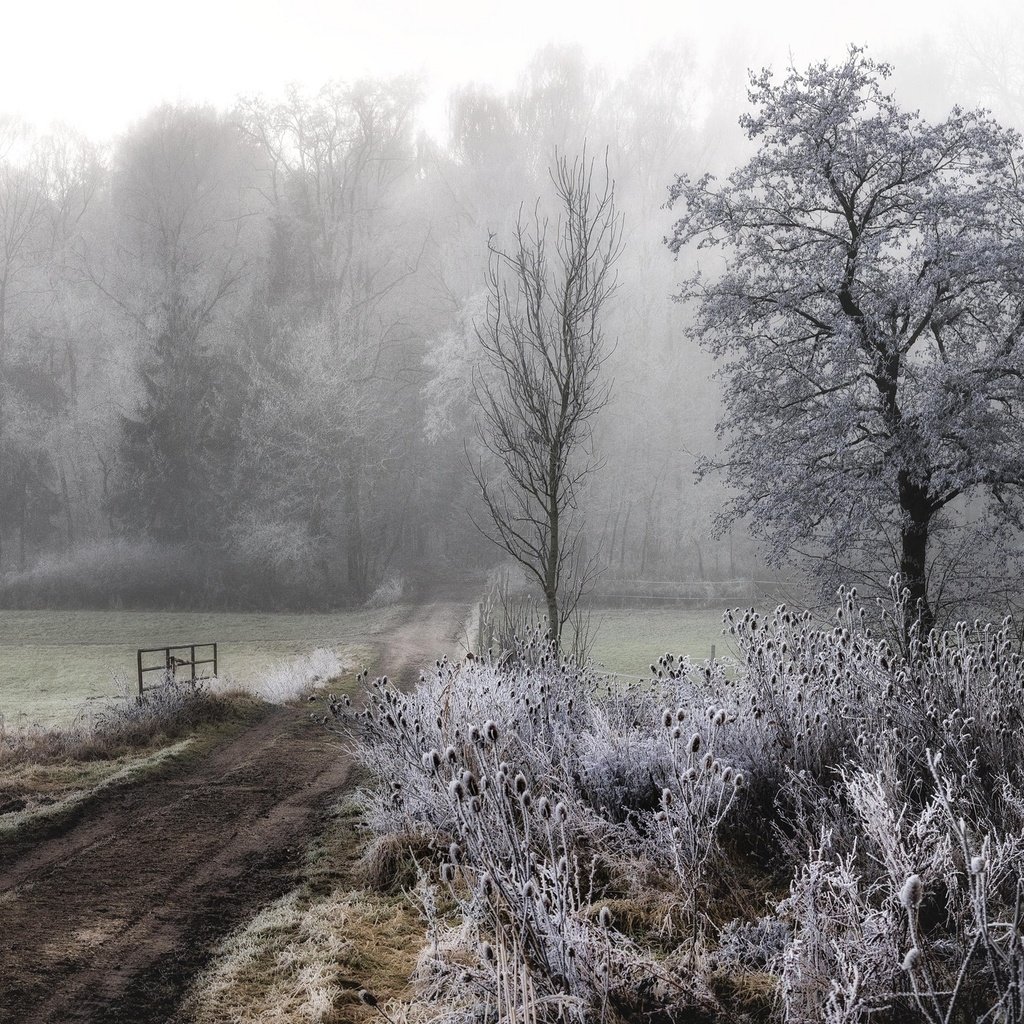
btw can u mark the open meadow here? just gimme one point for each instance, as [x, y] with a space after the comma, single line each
[628, 640]
[55, 665]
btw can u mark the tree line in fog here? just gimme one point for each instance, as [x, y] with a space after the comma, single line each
[238, 348]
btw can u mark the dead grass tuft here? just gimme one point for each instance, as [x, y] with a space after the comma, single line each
[751, 996]
[390, 863]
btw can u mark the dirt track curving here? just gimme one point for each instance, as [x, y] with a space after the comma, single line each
[111, 919]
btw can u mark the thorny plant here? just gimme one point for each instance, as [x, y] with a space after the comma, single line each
[839, 823]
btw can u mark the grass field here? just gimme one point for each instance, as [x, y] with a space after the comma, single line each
[54, 664]
[627, 640]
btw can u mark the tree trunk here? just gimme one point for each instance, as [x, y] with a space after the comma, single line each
[553, 630]
[2, 524]
[700, 560]
[644, 545]
[66, 499]
[622, 540]
[615, 533]
[914, 548]
[355, 554]
[23, 522]
[551, 575]
[105, 468]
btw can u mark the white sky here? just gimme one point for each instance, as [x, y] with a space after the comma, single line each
[100, 65]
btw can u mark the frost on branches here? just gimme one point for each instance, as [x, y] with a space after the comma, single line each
[869, 312]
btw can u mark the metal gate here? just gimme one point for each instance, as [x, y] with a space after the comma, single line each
[172, 661]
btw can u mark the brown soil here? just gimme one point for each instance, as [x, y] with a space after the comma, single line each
[111, 918]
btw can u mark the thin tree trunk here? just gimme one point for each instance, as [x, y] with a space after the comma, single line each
[23, 520]
[644, 545]
[354, 553]
[66, 499]
[622, 540]
[105, 469]
[554, 540]
[615, 532]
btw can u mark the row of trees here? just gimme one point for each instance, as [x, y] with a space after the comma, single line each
[246, 335]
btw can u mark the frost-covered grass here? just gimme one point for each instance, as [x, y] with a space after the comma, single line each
[833, 834]
[53, 664]
[626, 639]
[306, 956]
[289, 680]
[47, 771]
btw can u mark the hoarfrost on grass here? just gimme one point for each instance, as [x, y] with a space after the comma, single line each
[291, 679]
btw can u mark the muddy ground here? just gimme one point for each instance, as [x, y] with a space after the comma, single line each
[110, 918]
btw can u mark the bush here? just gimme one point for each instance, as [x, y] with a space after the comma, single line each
[119, 574]
[164, 713]
[831, 830]
[388, 593]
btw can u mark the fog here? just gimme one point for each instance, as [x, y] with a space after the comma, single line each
[243, 266]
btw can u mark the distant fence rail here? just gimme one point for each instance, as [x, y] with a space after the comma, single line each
[172, 660]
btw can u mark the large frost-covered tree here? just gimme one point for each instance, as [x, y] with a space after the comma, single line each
[869, 309]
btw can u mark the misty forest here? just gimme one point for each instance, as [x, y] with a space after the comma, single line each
[232, 342]
[604, 518]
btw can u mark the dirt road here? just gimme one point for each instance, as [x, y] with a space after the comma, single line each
[110, 920]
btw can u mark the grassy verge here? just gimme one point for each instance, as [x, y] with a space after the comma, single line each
[32, 795]
[307, 956]
[48, 772]
[46, 775]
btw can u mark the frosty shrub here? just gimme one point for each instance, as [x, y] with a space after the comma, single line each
[389, 592]
[830, 830]
[513, 776]
[287, 680]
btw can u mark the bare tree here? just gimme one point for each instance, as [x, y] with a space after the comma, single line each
[540, 383]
